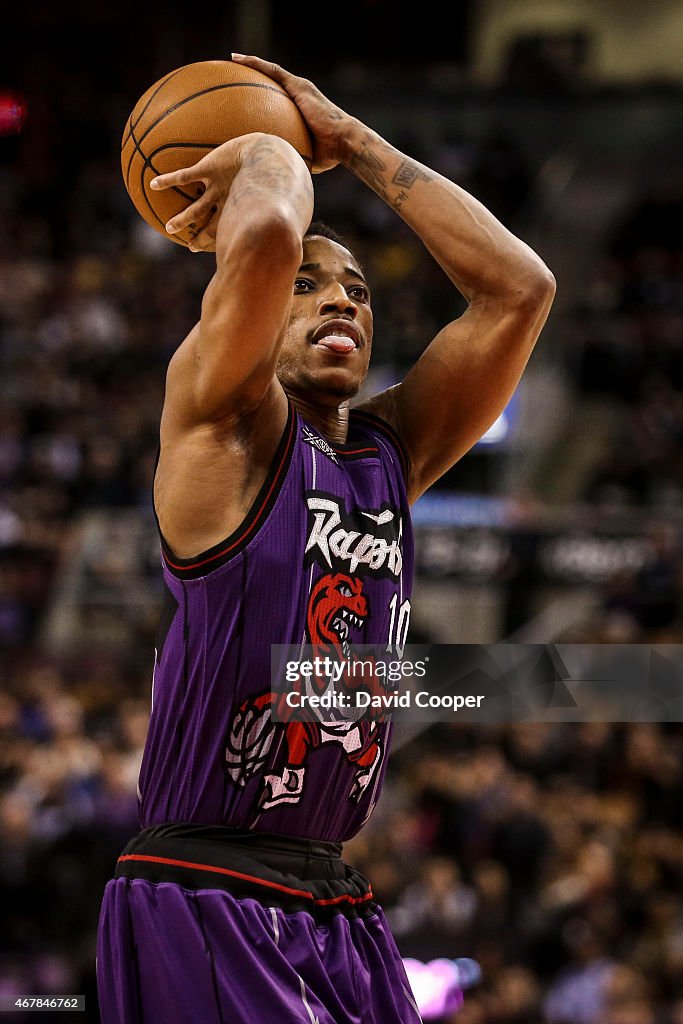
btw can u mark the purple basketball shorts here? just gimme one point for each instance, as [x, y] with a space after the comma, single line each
[205, 925]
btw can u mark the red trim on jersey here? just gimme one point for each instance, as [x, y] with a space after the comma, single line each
[246, 878]
[354, 451]
[389, 432]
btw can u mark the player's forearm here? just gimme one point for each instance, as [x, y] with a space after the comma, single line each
[258, 252]
[478, 253]
[271, 192]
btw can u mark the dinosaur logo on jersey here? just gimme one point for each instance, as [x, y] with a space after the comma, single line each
[336, 607]
[253, 733]
[360, 543]
[348, 546]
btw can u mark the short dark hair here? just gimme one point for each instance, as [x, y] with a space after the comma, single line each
[322, 230]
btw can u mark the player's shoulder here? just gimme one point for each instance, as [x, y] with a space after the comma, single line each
[382, 406]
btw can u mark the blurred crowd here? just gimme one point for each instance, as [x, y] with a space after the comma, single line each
[629, 355]
[630, 334]
[71, 741]
[551, 854]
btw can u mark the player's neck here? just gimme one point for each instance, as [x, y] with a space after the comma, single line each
[332, 422]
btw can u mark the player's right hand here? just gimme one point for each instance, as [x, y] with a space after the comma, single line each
[327, 122]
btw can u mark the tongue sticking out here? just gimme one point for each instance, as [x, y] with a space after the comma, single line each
[338, 343]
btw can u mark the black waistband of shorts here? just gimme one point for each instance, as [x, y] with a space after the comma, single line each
[285, 871]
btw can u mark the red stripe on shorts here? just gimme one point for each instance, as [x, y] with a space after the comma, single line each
[246, 878]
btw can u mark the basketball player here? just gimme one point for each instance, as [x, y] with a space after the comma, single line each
[284, 518]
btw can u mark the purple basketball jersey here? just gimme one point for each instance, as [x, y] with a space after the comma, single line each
[324, 557]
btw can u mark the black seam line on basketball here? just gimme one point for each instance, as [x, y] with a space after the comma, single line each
[163, 82]
[201, 145]
[214, 88]
[186, 99]
[147, 160]
[145, 164]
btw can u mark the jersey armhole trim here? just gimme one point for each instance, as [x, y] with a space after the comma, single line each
[219, 554]
[377, 423]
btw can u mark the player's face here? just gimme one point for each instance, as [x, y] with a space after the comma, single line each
[326, 349]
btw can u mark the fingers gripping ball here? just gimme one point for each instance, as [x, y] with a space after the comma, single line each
[189, 112]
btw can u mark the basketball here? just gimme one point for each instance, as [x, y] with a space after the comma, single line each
[189, 112]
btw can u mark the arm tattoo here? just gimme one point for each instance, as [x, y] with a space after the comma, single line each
[371, 169]
[408, 173]
[267, 171]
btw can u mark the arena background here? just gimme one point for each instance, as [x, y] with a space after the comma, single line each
[550, 853]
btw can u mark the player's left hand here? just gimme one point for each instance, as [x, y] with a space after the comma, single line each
[215, 172]
[326, 121]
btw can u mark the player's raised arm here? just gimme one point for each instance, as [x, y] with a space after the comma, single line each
[467, 374]
[255, 208]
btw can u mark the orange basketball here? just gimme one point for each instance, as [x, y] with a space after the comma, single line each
[189, 112]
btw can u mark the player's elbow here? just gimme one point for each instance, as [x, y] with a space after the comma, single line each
[545, 284]
[532, 290]
[271, 235]
[276, 229]
[522, 309]
[540, 285]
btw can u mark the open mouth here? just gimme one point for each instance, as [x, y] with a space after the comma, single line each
[341, 624]
[337, 344]
[338, 336]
